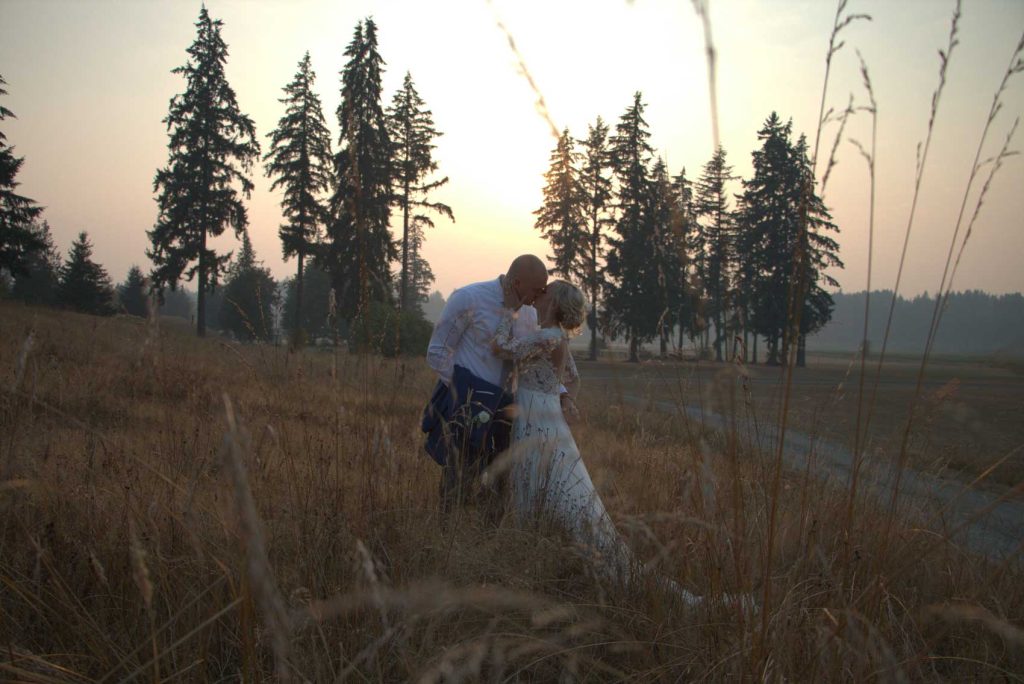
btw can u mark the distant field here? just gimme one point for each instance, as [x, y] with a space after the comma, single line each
[969, 415]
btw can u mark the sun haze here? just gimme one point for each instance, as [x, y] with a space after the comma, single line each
[90, 83]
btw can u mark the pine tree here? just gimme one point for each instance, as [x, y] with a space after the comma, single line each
[250, 294]
[37, 284]
[412, 133]
[632, 301]
[816, 252]
[560, 218]
[300, 158]
[316, 292]
[18, 240]
[133, 293]
[667, 260]
[84, 285]
[768, 222]
[421, 276]
[358, 250]
[596, 192]
[212, 147]
[684, 225]
[712, 205]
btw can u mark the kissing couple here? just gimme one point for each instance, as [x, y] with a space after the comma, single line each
[498, 421]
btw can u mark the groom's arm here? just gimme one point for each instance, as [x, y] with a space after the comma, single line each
[448, 332]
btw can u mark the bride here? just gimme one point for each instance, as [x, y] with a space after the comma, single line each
[547, 475]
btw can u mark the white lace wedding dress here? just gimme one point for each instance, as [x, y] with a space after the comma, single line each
[547, 475]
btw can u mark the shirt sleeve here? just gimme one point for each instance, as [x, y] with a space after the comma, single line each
[448, 331]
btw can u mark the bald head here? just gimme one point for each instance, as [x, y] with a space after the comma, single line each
[528, 277]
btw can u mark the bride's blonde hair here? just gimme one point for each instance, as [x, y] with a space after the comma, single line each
[570, 305]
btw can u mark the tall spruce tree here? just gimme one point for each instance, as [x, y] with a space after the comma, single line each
[412, 133]
[212, 147]
[668, 262]
[250, 294]
[300, 162]
[18, 240]
[359, 249]
[133, 293]
[84, 285]
[632, 302]
[684, 225]
[316, 297]
[816, 252]
[712, 206]
[421, 276]
[37, 284]
[596, 190]
[560, 217]
[768, 219]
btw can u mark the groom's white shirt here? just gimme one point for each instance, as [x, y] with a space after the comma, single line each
[466, 328]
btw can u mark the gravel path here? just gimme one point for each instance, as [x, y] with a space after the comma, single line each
[983, 521]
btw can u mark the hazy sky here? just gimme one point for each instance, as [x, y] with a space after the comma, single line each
[90, 83]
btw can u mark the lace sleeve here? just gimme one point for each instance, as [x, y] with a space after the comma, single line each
[520, 349]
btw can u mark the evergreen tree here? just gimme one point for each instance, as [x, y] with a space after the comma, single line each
[783, 244]
[684, 225]
[133, 293]
[768, 222]
[316, 293]
[249, 297]
[37, 284]
[816, 252]
[300, 158]
[359, 249]
[421, 276]
[212, 147]
[667, 260]
[596, 197]
[412, 133]
[84, 285]
[632, 300]
[18, 240]
[712, 205]
[560, 218]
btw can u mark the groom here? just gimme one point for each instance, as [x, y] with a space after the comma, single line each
[465, 420]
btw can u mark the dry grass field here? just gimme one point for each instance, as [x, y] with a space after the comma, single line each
[174, 509]
[968, 416]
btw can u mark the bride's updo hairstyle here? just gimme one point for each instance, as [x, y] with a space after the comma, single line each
[570, 306]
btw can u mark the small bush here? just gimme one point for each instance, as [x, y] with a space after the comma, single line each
[389, 333]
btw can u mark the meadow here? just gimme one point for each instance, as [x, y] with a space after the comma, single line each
[183, 509]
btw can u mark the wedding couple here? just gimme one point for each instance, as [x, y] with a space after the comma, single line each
[500, 412]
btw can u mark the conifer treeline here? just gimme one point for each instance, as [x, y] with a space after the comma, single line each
[657, 253]
[337, 204]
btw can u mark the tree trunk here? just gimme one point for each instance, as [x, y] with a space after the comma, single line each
[593, 326]
[201, 300]
[634, 354]
[404, 285]
[297, 333]
[755, 349]
[682, 328]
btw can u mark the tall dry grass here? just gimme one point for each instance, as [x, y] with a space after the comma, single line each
[183, 509]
